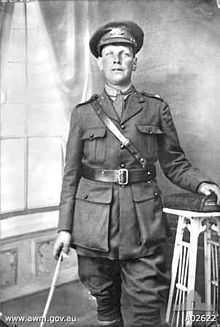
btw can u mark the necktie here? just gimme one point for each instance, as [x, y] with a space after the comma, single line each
[118, 103]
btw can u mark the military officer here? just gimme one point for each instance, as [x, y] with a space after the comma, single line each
[111, 207]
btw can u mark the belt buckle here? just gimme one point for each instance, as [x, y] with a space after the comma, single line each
[122, 176]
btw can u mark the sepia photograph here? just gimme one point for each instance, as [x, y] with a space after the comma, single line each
[109, 163]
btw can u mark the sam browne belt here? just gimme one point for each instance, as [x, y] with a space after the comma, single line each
[120, 176]
[116, 132]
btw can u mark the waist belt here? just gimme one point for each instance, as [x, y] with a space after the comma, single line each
[120, 176]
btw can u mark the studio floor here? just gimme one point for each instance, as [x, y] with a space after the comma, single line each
[70, 301]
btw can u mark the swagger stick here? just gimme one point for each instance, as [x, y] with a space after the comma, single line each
[52, 288]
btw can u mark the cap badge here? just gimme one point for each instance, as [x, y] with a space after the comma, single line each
[117, 32]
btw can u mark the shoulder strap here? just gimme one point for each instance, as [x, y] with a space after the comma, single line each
[115, 131]
[152, 95]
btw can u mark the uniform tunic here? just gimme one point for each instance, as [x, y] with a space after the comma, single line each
[107, 220]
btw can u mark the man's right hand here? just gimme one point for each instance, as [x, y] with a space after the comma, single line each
[62, 243]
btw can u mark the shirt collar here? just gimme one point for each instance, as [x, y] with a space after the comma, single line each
[113, 92]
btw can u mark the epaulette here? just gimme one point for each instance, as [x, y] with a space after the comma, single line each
[93, 98]
[152, 95]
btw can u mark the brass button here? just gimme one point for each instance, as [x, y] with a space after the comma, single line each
[91, 136]
[122, 146]
[150, 130]
[148, 173]
[123, 126]
[156, 194]
[122, 165]
[149, 182]
[142, 160]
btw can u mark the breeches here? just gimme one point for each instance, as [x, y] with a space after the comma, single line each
[133, 291]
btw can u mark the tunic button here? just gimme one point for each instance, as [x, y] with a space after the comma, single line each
[122, 165]
[91, 136]
[150, 130]
[148, 173]
[156, 194]
[122, 146]
[123, 126]
[85, 196]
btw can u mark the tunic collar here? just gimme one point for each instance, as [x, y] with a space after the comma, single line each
[134, 104]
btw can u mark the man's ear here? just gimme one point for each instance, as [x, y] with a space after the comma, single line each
[100, 63]
[134, 65]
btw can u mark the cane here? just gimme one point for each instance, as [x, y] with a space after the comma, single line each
[52, 288]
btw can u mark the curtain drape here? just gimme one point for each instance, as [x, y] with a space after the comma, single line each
[68, 27]
[6, 13]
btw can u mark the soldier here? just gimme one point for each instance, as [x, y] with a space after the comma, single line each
[111, 207]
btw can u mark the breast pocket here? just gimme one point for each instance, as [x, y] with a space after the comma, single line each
[94, 147]
[148, 135]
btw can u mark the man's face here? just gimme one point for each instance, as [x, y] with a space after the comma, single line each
[117, 62]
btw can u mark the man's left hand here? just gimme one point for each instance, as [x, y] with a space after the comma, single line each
[208, 188]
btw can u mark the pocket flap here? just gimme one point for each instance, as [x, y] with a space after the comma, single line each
[94, 191]
[93, 133]
[149, 129]
[142, 192]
